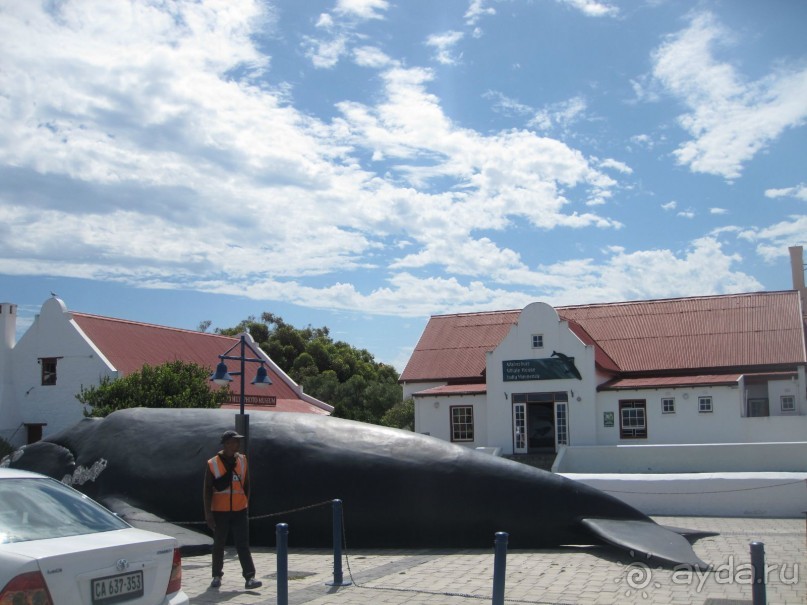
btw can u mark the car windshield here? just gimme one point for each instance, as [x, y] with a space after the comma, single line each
[35, 509]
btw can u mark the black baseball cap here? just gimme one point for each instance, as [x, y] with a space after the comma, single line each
[227, 435]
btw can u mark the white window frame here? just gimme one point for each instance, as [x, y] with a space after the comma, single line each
[633, 419]
[537, 341]
[462, 428]
[791, 407]
[705, 404]
[671, 402]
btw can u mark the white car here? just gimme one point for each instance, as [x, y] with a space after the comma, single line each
[59, 547]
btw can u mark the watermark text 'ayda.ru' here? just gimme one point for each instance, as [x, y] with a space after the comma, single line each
[639, 576]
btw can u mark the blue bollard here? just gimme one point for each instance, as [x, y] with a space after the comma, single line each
[758, 589]
[499, 567]
[282, 533]
[338, 579]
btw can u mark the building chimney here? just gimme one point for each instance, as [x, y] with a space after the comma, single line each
[797, 269]
[8, 326]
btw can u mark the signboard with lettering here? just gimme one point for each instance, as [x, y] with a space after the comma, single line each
[252, 399]
[537, 369]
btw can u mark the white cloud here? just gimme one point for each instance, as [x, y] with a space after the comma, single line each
[362, 9]
[642, 141]
[672, 205]
[476, 10]
[339, 27]
[559, 114]
[686, 214]
[730, 119]
[444, 44]
[505, 105]
[616, 165]
[172, 172]
[773, 241]
[370, 56]
[593, 8]
[326, 53]
[718, 211]
[799, 192]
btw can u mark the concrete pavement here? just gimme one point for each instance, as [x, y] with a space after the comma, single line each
[588, 575]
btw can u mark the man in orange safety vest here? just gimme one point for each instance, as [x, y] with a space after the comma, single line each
[226, 501]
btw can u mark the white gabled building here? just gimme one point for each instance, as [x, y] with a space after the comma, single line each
[64, 350]
[697, 370]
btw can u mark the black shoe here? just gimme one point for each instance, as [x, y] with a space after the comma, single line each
[253, 583]
[216, 583]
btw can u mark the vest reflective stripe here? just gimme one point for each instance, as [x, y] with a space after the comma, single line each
[222, 499]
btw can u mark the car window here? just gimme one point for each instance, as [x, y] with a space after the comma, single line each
[34, 509]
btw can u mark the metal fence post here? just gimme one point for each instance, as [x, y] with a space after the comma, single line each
[758, 589]
[499, 567]
[282, 533]
[338, 579]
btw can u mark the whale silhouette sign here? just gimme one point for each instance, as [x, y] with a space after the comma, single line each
[399, 489]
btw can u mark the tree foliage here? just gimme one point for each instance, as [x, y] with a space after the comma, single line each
[175, 384]
[347, 378]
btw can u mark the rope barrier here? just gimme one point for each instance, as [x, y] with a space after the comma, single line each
[252, 518]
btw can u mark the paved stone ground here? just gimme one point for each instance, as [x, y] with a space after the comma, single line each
[589, 575]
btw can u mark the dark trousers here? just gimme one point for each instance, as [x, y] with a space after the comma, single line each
[238, 522]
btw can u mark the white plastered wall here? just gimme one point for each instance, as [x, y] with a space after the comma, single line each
[540, 318]
[433, 416]
[54, 334]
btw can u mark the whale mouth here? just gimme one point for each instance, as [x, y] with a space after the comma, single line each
[43, 457]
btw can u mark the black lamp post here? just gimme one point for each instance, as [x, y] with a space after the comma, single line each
[223, 377]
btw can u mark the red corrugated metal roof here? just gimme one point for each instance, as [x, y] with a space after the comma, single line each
[454, 346]
[670, 381]
[453, 389]
[733, 332]
[729, 331]
[129, 345]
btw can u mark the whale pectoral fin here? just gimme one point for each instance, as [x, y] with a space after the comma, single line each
[645, 539]
[691, 534]
[190, 542]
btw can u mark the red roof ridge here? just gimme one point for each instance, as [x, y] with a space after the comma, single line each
[473, 313]
[673, 299]
[149, 325]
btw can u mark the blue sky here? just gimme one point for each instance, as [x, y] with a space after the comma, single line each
[364, 164]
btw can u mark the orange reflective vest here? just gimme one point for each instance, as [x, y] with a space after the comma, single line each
[234, 497]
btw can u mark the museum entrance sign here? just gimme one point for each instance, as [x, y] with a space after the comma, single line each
[535, 369]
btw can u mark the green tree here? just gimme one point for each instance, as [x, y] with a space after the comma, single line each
[401, 415]
[175, 384]
[348, 378]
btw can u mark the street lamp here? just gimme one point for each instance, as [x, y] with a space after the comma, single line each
[223, 377]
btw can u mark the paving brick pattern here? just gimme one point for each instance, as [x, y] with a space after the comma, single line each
[588, 575]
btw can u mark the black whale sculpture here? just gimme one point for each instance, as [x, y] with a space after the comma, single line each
[399, 489]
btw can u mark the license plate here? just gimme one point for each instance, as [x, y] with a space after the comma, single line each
[114, 589]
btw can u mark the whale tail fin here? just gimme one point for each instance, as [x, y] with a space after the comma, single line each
[647, 539]
[190, 542]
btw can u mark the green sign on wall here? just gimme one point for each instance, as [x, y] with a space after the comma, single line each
[538, 369]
